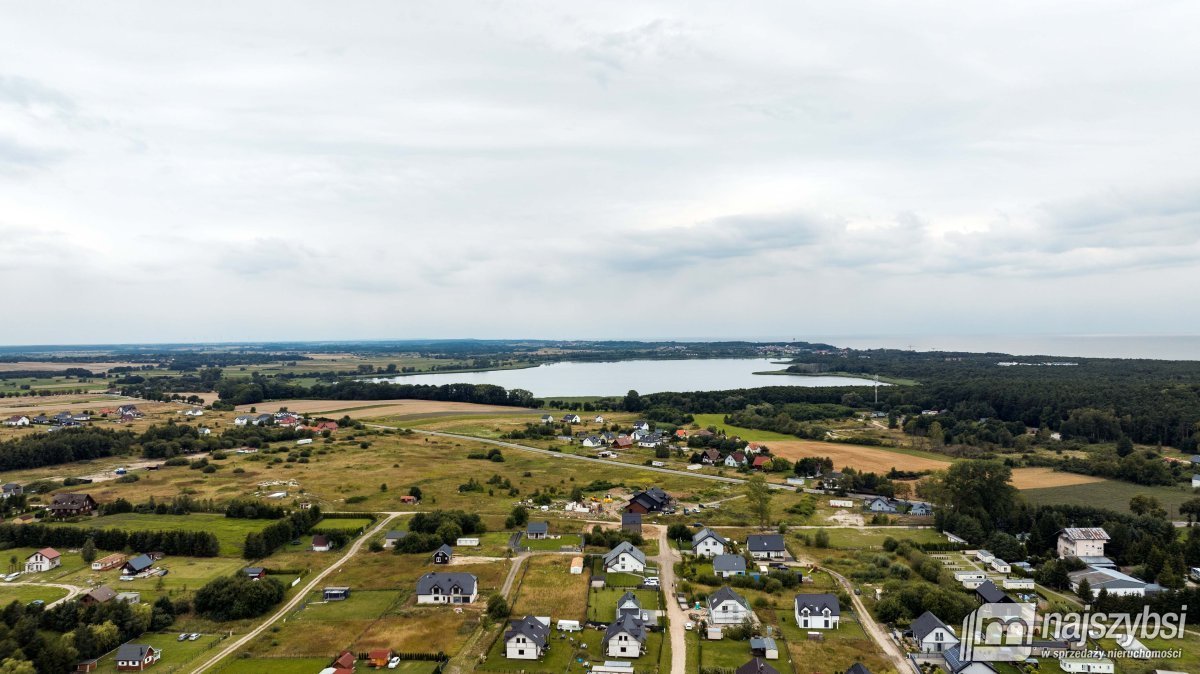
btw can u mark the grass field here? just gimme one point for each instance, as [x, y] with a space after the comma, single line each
[1109, 494]
[602, 603]
[176, 655]
[350, 524]
[844, 646]
[276, 665]
[872, 539]
[549, 588]
[552, 544]
[27, 593]
[230, 532]
[1045, 477]
[366, 409]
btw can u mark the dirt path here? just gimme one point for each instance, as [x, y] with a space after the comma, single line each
[874, 629]
[237, 643]
[666, 559]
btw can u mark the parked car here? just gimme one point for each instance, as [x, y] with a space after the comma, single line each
[652, 581]
[394, 662]
[182, 637]
[193, 636]
[688, 626]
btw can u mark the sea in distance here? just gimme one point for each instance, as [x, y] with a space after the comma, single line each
[616, 378]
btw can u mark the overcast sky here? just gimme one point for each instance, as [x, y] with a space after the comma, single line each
[226, 171]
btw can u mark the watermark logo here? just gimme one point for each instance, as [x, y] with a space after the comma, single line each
[999, 632]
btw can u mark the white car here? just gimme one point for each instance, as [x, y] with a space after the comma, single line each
[688, 626]
[652, 580]
[394, 662]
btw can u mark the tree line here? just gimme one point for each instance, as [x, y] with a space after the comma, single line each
[186, 543]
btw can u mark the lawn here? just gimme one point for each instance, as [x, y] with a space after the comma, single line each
[748, 434]
[28, 593]
[230, 532]
[553, 544]
[549, 589]
[350, 524]
[275, 665]
[176, 655]
[729, 654]
[843, 646]
[872, 539]
[1111, 493]
[602, 603]
[564, 648]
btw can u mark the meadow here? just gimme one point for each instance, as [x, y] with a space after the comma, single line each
[230, 532]
[1110, 494]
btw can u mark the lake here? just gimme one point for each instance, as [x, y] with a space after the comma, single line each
[644, 376]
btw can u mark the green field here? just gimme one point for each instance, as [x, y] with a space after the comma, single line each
[602, 604]
[873, 538]
[750, 434]
[351, 524]
[274, 665]
[553, 544]
[28, 593]
[176, 655]
[1109, 494]
[230, 532]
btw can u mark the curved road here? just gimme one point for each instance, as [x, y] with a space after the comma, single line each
[235, 644]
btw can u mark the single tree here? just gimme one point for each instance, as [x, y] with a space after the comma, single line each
[758, 494]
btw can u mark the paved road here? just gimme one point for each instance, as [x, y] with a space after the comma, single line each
[237, 643]
[666, 558]
[72, 590]
[576, 457]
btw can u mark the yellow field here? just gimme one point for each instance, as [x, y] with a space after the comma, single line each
[363, 409]
[1038, 478]
[871, 459]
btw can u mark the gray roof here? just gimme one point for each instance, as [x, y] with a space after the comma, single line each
[704, 533]
[817, 603]
[858, 668]
[762, 644]
[446, 549]
[252, 570]
[102, 593]
[988, 592]
[1103, 578]
[445, 581]
[395, 535]
[729, 563]
[631, 518]
[1085, 534]
[135, 652]
[925, 624]
[723, 595]
[765, 543]
[624, 546]
[531, 628]
[756, 666]
[628, 624]
[140, 563]
[629, 596]
[955, 662]
[538, 528]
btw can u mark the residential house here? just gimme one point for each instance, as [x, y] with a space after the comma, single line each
[761, 462]
[244, 420]
[629, 605]
[536, 531]
[726, 607]
[1085, 665]
[766, 546]
[263, 420]
[831, 480]
[320, 543]
[625, 558]
[379, 657]
[756, 448]
[71, 505]
[43, 560]
[631, 522]
[335, 593]
[129, 409]
[756, 666]
[447, 588]
[41, 419]
[638, 434]
[764, 647]
[817, 611]
[641, 425]
[571, 419]
[443, 554]
[136, 657]
[621, 442]
[625, 638]
[137, 565]
[194, 412]
[593, 441]
[254, 572]
[1082, 542]
[98, 595]
[681, 434]
[956, 664]
[344, 663]
[735, 460]
[599, 419]
[710, 457]
[880, 504]
[11, 489]
[322, 426]
[109, 562]
[576, 566]
[547, 419]
[651, 441]
[708, 543]
[725, 566]
[88, 665]
[652, 500]
[527, 638]
[931, 634]
[921, 509]
[988, 593]
[391, 538]
[18, 420]
[129, 597]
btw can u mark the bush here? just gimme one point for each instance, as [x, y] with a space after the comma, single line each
[237, 597]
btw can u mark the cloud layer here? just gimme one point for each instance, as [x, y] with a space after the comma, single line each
[300, 170]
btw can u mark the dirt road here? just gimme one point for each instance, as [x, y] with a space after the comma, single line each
[666, 558]
[238, 642]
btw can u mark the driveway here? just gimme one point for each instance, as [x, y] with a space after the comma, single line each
[666, 558]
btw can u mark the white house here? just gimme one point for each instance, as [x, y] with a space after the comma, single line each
[1081, 665]
[576, 565]
[708, 543]
[817, 611]
[1081, 542]
[625, 638]
[766, 546]
[931, 634]
[42, 560]
[624, 558]
[547, 419]
[447, 588]
[320, 543]
[1017, 583]
[599, 419]
[17, 421]
[735, 460]
[244, 420]
[641, 425]
[571, 419]
[194, 412]
[725, 566]
[880, 504]
[527, 638]
[1001, 566]
[726, 607]
[592, 441]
